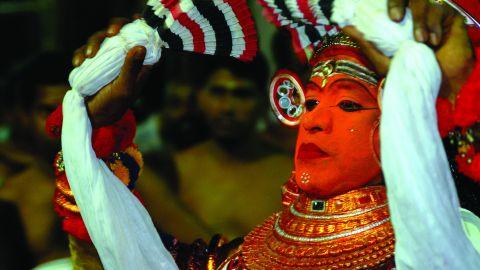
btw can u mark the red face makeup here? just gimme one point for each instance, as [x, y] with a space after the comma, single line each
[338, 136]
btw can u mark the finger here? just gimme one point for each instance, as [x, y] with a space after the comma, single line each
[78, 56]
[115, 25]
[434, 24]
[93, 43]
[131, 68]
[419, 9]
[396, 9]
[377, 58]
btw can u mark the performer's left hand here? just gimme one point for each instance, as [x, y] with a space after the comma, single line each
[113, 100]
[440, 27]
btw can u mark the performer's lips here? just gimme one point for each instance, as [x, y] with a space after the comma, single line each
[310, 151]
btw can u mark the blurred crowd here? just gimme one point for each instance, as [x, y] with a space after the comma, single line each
[211, 146]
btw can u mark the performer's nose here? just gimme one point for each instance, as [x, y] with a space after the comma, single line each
[318, 120]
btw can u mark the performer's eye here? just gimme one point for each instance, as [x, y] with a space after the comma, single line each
[349, 106]
[311, 104]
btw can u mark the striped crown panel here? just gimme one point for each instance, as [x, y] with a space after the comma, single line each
[307, 21]
[217, 27]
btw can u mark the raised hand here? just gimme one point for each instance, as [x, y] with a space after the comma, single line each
[90, 49]
[440, 27]
[111, 102]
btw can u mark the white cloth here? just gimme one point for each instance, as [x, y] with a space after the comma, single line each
[471, 226]
[60, 264]
[118, 224]
[423, 201]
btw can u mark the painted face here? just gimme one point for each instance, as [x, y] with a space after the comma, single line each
[337, 137]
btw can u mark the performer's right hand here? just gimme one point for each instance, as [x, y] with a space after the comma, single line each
[448, 38]
[112, 101]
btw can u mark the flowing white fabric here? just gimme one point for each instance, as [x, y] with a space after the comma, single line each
[471, 226]
[118, 224]
[423, 201]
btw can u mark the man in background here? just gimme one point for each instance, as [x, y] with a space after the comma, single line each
[217, 180]
[34, 90]
[221, 178]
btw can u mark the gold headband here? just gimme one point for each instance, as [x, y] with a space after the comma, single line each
[340, 39]
[332, 67]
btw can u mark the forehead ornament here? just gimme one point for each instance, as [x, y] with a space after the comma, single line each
[332, 67]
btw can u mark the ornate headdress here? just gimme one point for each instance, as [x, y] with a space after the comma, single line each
[286, 90]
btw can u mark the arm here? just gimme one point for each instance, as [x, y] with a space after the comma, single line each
[118, 224]
[114, 145]
[124, 160]
[166, 209]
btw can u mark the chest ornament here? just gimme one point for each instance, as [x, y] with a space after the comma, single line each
[350, 231]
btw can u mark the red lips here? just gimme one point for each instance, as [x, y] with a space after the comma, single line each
[310, 151]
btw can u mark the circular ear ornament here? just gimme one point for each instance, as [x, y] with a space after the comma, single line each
[287, 97]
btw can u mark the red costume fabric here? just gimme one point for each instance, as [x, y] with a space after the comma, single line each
[458, 121]
[106, 140]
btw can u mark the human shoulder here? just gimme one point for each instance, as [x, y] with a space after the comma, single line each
[197, 152]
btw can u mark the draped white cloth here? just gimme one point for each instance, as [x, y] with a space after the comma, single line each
[422, 197]
[118, 224]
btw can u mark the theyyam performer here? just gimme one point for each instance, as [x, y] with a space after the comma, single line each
[372, 187]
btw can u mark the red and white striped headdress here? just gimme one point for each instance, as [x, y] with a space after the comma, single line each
[216, 27]
[306, 20]
[309, 20]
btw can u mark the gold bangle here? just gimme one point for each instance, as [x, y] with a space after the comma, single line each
[63, 202]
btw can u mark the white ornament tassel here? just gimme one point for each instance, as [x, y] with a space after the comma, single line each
[118, 224]
[423, 202]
